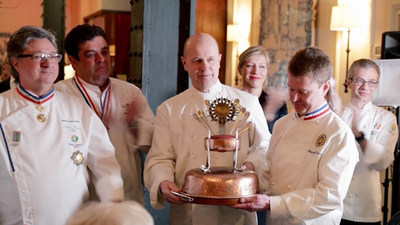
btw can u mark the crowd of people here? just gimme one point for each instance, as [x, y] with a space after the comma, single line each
[75, 145]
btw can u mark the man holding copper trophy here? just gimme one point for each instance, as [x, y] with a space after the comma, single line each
[312, 153]
[207, 143]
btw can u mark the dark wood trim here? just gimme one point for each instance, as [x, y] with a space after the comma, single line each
[103, 12]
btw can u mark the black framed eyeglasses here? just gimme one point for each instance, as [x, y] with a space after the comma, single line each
[360, 82]
[39, 57]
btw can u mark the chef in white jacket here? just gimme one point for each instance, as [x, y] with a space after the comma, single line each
[49, 140]
[312, 153]
[375, 130]
[178, 141]
[121, 105]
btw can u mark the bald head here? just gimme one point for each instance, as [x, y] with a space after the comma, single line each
[201, 59]
[200, 37]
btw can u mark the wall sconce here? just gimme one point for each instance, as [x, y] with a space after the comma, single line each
[344, 17]
[112, 50]
[236, 34]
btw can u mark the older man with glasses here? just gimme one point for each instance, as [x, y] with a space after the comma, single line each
[48, 140]
[375, 131]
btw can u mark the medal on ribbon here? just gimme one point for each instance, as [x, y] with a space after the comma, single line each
[77, 157]
[41, 117]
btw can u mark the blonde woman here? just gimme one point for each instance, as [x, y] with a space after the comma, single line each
[253, 67]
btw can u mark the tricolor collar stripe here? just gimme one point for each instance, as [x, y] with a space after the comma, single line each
[85, 94]
[105, 105]
[81, 91]
[24, 93]
[317, 113]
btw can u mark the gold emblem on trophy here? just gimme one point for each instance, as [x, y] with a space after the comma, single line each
[221, 185]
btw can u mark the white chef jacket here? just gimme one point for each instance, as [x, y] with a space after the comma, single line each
[40, 182]
[178, 146]
[311, 161]
[363, 200]
[126, 147]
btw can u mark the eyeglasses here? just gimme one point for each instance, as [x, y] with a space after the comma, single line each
[360, 82]
[40, 57]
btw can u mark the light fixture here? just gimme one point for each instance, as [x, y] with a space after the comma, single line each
[344, 17]
[112, 50]
[236, 34]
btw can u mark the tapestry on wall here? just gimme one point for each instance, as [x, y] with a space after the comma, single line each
[285, 27]
[4, 36]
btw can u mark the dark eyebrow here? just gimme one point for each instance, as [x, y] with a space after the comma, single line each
[89, 51]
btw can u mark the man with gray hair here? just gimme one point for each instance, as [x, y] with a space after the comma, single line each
[49, 140]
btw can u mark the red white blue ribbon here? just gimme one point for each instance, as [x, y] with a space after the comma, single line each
[324, 109]
[33, 98]
[104, 104]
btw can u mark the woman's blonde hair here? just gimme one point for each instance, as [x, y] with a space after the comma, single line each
[251, 51]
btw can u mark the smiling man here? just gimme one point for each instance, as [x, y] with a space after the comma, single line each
[375, 130]
[49, 141]
[120, 105]
[178, 143]
[312, 153]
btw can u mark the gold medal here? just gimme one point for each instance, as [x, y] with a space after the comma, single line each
[320, 140]
[40, 108]
[77, 157]
[41, 118]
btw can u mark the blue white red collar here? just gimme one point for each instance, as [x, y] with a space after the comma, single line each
[324, 109]
[34, 98]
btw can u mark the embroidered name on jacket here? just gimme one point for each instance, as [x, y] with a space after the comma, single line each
[314, 152]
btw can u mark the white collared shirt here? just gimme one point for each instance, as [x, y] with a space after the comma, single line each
[310, 167]
[38, 170]
[363, 200]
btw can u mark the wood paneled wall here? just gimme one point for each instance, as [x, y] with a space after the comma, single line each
[116, 26]
[211, 18]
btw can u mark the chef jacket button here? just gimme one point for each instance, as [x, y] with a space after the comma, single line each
[289, 187]
[272, 183]
[194, 157]
[276, 159]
